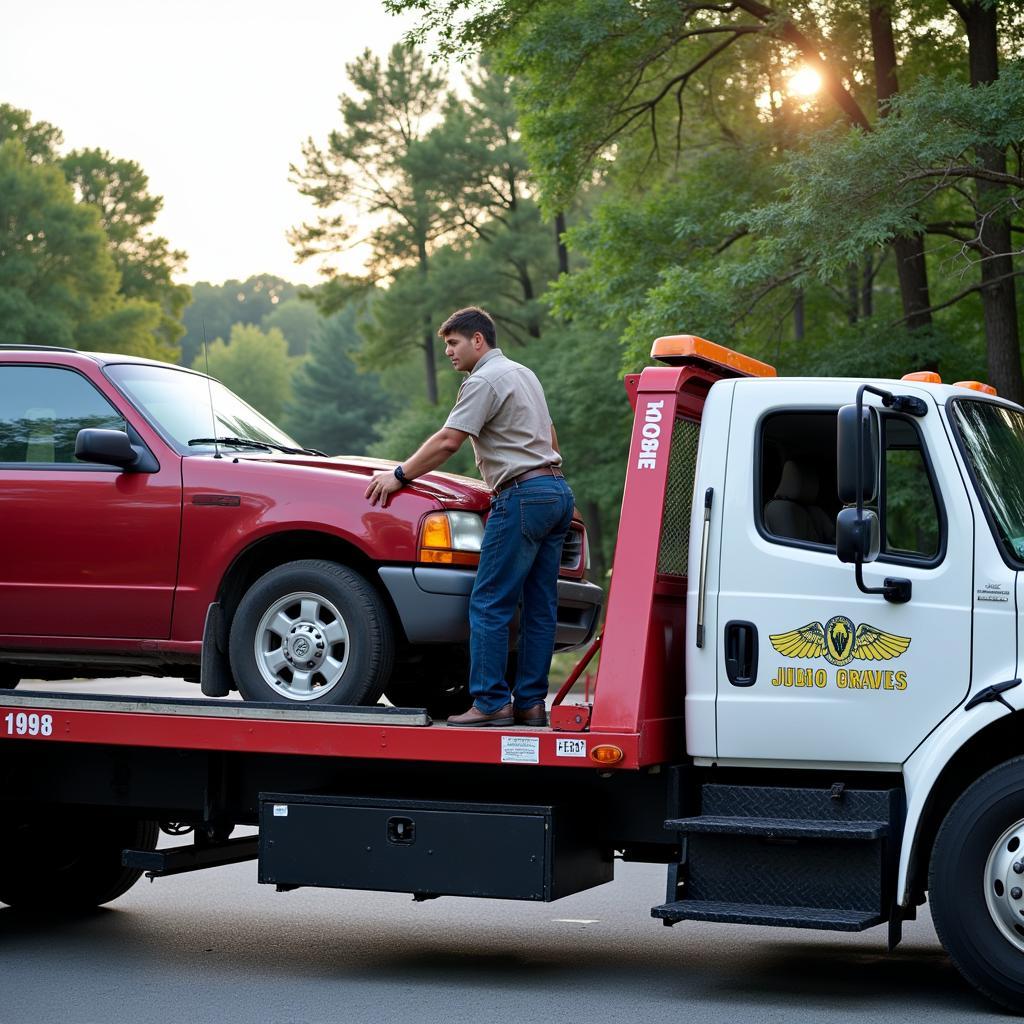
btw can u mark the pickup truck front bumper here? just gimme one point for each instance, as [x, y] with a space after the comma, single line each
[433, 605]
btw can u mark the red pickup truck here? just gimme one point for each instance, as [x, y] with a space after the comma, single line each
[151, 522]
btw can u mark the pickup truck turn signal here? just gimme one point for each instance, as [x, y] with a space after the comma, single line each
[451, 538]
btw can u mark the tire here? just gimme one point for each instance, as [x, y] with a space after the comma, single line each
[972, 883]
[312, 632]
[440, 700]
[67, 864]
[8, 680]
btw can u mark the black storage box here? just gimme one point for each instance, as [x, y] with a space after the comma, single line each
[428, 848]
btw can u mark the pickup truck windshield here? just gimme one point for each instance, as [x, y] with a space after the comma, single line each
[178, 403]
[993, 438]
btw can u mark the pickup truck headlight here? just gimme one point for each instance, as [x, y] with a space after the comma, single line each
[451, 538]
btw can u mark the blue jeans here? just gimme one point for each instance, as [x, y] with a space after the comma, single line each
[519, 558]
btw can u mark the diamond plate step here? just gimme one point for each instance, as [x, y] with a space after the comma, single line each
[825, 918]
[779, 828]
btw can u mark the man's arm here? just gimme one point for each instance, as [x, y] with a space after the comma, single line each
[436, 450]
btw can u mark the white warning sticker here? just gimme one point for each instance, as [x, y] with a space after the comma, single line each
[280, 810]
[570, 748]
[520, 749]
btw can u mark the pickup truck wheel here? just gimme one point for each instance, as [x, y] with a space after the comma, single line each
[976, 884]
[8, 680]
[441, 700]
[312, 632]
[65, 865]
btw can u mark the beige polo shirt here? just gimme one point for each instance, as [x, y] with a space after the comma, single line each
[501, 405]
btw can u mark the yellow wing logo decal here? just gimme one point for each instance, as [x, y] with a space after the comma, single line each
[806, 642]
[838, 642]
[871, 644]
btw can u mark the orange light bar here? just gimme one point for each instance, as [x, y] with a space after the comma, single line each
[680, 349]
[976, 385]
[923, 377]
[606, 753]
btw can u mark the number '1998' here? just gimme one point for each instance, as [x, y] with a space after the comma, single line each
[25, 723]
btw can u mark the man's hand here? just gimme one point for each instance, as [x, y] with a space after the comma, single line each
[382, 486]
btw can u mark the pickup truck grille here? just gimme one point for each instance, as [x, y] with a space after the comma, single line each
[572, 549]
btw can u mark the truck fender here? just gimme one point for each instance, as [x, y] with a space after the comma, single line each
[946, 763]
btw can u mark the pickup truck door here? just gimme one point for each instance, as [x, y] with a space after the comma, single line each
[85, 550]
[809, 667]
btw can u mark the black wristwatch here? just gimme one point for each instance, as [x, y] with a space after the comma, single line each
[400, 475]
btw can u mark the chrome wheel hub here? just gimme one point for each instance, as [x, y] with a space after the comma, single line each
[302, 646]
[1004, 884]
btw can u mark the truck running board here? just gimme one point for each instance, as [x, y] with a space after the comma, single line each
[775, 916]
[786, 857]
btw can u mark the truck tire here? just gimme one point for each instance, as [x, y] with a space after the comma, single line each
[66, 864]
[8, 679]
[312, 632]
[976, 884]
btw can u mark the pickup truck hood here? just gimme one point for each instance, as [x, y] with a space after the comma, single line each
[448, 489]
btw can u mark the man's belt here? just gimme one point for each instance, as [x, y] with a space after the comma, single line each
[528, 475]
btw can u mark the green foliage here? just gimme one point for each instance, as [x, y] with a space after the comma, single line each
[216, 308]
[58, 281]
[298, 320]
[335, 408]
[255, 365]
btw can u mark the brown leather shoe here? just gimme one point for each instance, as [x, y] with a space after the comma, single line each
[475, 717]
[536, 716]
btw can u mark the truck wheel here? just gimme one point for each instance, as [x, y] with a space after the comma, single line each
[441, 701]
[8, 680]
[312, 631]
[62, 865]
[976, 884]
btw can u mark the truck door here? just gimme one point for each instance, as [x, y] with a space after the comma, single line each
[809, 667]
[85, 550]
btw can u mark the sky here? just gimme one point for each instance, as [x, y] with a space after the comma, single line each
[214, 99]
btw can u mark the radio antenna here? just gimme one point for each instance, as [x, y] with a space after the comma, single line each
[209, 388]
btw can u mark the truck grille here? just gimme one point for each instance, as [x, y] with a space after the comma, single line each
[674, 546]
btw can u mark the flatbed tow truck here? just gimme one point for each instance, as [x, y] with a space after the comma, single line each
[807, 704]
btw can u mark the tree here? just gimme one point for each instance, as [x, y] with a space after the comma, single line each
[58, 281]
[378, 162]
[335, 408]
[299, 321]
[119, 189]
[255, 365]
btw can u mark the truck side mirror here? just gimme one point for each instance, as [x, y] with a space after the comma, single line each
[857, 535]
[107, 447]
[850, 477]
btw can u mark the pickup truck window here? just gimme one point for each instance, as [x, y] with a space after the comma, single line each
[799, 500]
[42, 409]
[178, 403]
[993, 442]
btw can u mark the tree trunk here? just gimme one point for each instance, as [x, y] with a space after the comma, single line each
[852, 293]
[911, 267]
[429, 366]
[999, 299]
[563, 253]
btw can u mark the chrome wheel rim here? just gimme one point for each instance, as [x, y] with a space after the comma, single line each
[1004, 885]
[302, 646]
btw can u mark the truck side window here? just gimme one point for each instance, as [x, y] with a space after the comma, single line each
[798, 499]
[909, 512]
[42, 409]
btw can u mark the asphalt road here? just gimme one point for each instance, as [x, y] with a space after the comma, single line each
[216, 946]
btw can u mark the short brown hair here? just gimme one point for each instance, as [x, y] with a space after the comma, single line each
[468, 321]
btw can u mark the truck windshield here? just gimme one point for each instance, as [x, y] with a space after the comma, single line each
[993, 438]
[178, 403]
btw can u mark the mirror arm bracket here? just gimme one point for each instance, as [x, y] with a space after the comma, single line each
[893, 589]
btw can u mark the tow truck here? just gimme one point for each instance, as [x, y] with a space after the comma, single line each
[807, 704]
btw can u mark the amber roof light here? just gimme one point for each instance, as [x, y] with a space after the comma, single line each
[976, 385]
[681, 349]
[923, 377]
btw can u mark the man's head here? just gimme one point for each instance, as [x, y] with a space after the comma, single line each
[468, 336]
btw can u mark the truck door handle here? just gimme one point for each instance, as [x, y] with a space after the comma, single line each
[741, 653]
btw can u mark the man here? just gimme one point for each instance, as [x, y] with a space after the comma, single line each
[501, 407]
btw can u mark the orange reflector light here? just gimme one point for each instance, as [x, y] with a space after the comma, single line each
[606, 753]
[976, 385]
[923, 377]
[437, 531]
[680, 349]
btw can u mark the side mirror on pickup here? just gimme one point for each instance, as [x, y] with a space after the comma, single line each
[857, 535]
[108, 447]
